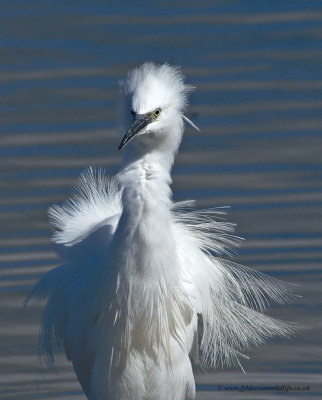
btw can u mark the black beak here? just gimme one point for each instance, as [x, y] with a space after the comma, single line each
[141, 120]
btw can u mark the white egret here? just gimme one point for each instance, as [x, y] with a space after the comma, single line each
[143, 290]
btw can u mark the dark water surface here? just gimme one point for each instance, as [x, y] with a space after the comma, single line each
[257, 69]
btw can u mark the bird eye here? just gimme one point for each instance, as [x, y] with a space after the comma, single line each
[156, 112]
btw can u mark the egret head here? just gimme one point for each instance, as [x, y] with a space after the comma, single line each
[158, 97]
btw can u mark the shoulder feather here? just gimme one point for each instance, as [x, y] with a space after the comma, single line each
[95, 201]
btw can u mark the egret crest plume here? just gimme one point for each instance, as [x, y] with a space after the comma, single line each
[143, 291]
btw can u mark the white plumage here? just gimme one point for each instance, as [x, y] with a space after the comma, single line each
[143, 289]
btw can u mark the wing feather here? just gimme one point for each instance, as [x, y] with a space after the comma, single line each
[84, 227]
[231, 298]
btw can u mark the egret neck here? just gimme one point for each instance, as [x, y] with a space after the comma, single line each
[147, 252]
[146, 178]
